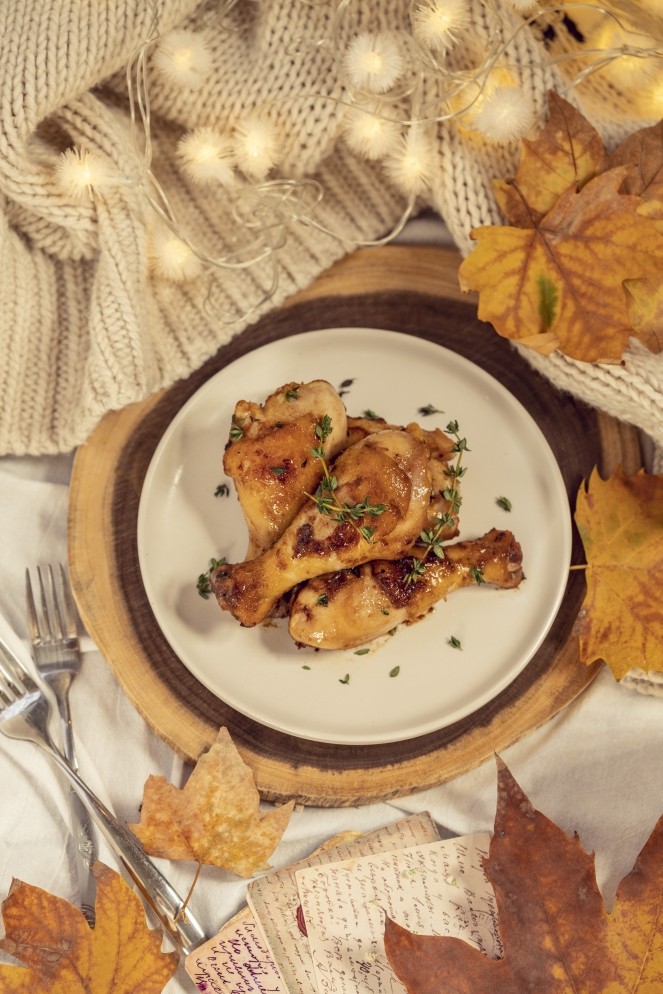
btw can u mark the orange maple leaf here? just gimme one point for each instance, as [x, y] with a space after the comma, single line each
[567, 153]
[559, 284]
[620, 521]
[215, 817]
[63, 955]
[557, 936]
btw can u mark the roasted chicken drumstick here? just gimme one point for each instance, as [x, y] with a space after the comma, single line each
[269, 456]
[442, 452]
[388, 473]
[345, 609]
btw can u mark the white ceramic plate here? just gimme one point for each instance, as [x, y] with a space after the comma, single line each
[259, 671]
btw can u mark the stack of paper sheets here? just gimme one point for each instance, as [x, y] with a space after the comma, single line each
[317, 927]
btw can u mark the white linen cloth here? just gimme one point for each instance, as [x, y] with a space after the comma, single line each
[594, 769]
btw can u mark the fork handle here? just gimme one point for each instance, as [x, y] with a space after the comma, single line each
[182, 927]
[85, 846]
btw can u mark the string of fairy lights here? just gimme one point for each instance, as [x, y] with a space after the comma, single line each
[386, 117]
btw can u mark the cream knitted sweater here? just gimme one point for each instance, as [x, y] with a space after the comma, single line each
[87, 325]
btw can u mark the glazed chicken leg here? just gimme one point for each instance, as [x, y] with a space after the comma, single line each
[389, 471]
[269, 455]
[345, 609]
[442, 453]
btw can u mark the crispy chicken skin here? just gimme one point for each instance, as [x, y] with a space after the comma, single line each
[391, 468]
[271, 463]
[345, 609]
[442, 453]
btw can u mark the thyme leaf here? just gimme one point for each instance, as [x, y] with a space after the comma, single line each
[203, 583]
[236, 429]
[417, 570]
[323, 428]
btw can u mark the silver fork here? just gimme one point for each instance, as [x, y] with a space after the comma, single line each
[56, 653]
[24, 714]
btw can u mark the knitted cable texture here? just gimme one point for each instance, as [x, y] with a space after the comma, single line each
[88, 324]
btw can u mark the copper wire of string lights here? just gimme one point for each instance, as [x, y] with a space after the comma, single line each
[394, 89]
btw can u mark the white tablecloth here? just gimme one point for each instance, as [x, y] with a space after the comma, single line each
[595, 769]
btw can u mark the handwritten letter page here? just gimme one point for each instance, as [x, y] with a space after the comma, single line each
[235, 961]
[434, 889]
[275, 901]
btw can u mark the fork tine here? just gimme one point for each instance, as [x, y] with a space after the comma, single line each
[33, 623]
[56, 622]
[47, 632]
[68, 604]
[14, 678]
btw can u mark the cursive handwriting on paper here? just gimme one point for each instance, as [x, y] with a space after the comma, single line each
[236, 961]
[436, 889]
[275, 900]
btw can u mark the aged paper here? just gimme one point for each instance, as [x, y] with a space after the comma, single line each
[275, 901]
[435, 889]
[236, 961]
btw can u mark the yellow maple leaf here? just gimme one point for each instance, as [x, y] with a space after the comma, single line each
[620, 521]
[215, 817]
[567, 153]
[560, 284]
[63, 955]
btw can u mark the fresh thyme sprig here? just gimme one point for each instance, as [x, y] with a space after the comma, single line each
[203, 583]
[325, 497]
[431, 538]
[236, 429]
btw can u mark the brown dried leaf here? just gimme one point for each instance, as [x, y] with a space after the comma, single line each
[563, 280]
[567, 153]
[215, 817]
[620, 521]
[644, 301]
[63, 955]
[642, 153]
[557, 936]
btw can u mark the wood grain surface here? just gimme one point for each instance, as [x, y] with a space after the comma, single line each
[409, 289]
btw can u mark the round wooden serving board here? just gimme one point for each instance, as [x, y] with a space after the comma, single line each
[407, 289]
